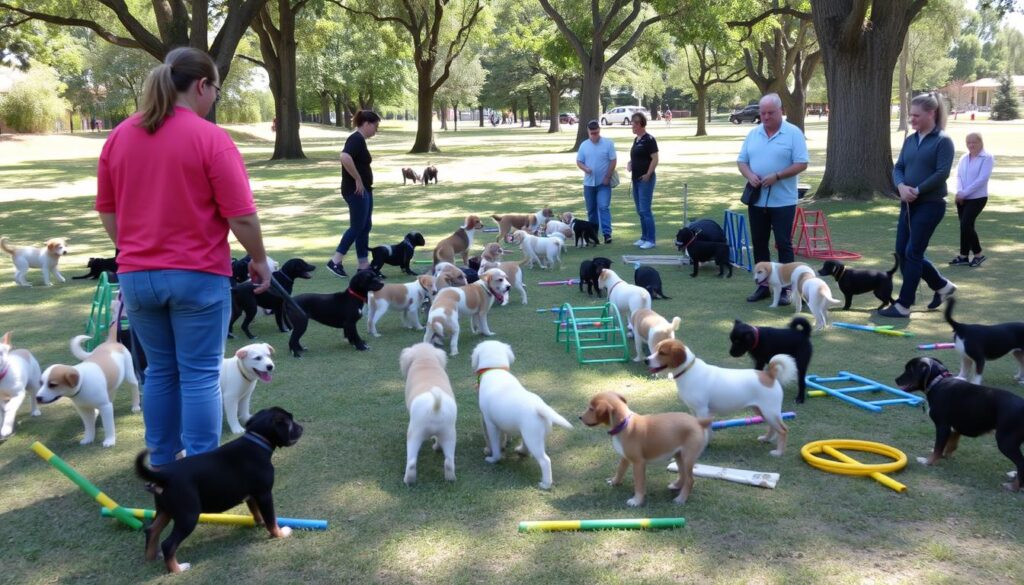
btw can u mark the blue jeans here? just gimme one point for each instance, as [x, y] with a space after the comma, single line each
[599, 201]
[181, 320]
[643, 193]
[913, 231]
[360, 220]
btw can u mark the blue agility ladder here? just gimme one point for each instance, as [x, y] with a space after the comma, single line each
[740, 253]
[867, 386]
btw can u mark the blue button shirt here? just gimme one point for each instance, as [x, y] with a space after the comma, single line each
[767, 156]
[597, 157]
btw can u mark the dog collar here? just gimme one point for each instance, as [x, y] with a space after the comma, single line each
[935, 381]
[684, 370]
[356, 295]
[695, 234]
[621, 426]
[76, 393]
[242, 372]
[480, 373]
[407, 243]
[3, 372]
[613, 286]
[757, 337]
[255, 438]
[842, 271]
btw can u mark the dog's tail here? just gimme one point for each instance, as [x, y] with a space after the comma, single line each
[950, 303]
[497, 218]
[657, 294]
[548, 414]
[782, 368]
[76, 345]
[438, 398]
[8, 249]
[146, 472]
[895, 266]
[802, 325]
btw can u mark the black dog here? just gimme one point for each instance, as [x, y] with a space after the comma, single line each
[244, 301]
[959, 408]
[854, 282]
[341, 310]
[428, 174]
[764, 342]
[584, 232]
[98, 266]
[398, 255]
[648, 278]
[589, 269]
[978, 343]
[218, 480]
[704, 240]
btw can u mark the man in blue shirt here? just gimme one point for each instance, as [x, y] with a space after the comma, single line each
[772, 156]
[596, 158]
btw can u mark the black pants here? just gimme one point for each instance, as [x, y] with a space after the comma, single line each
[968, 212]
[767, 220]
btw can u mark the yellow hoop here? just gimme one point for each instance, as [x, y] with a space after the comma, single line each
[848, 466]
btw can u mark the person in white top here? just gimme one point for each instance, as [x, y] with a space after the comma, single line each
[971, 196]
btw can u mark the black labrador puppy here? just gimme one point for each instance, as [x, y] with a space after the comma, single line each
[584, 232]
[958, 407]
[244, 301]
[764, 342]
[649, 278]
[589, 270]
[98, 266]
[853, 281]
[341, 310]
[216, 481]
[398, 255]
[985, 342]
[704, 240]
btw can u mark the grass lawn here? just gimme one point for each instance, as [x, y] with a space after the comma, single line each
[953, 525]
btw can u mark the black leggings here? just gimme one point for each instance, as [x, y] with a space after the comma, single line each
[968, 212]
[765, 221]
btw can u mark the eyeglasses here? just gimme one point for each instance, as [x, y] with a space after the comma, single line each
[217, 87]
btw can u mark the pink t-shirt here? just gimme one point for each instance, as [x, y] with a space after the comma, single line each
[172, 192]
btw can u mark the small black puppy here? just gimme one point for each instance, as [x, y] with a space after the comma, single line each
[589, 270]
[977, 343]
[649, 278]
[398, 255]
[244, 301]
[959, 408]
[216, 481]
[341, 310]
[428, 174]
[764, 342]
[584, 232]
[852, 281]
[704, 240]
[98, 266]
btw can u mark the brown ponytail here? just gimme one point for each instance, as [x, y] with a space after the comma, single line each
[161, 88]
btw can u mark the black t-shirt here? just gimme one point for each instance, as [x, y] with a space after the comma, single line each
[355, 146]
[640, 155]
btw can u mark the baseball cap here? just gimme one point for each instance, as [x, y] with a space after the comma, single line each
[593, 125]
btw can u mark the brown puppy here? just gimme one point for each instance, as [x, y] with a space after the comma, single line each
[639, 439]
[409, 174]
[459, 242]
[531, 222]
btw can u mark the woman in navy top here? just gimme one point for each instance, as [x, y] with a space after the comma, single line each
[643, 159]
[357, 190]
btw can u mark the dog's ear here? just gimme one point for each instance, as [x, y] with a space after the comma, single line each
[240, 354]
[270, 348]
[405, 360]
[620, 396]
[6, 339]
[676, 353]
[71, 378]
[922, 370]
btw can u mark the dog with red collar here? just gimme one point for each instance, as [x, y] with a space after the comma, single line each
[340, 310]
[764, 342]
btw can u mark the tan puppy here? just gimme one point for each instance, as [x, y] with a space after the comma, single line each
[491, 258]
[818, 295]
[556, 227]
[567, 217]
[474, 300]
[778, 276]
[407, 298]
[431, 405]
[19, 378]
[92, 384]
[45, 259]
[544, 251]
[238, 376]
[447, 275]
[639, 439]
[458, 243]
[626, 297]
[532, 223]
[651, 328]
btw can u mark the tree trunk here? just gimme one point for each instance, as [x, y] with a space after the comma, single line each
[529, 107]
[702, 101]
[554, 97]
[480, 108]
[442, 113]
[455, 109]
[325, 107]
[904, 89]
[277, 47]
[339, 112]
[590, 102]
[424, 112]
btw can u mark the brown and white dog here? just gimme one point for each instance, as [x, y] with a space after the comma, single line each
[46, 259]
[628, 298]
[406, 298]
[491, 258]
[474, 300]
[431, 405]
[92, 384]
[779, 276]
[447, 275]
[639, 439]
[818, 295]
[650, 328]
[238, 376]
[557, 227]
[19, 378]
[544, 251]
[531, 222]
[713, 391]
[459, 242]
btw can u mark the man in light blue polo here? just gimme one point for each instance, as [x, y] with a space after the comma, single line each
[772, 156]
[596, 158]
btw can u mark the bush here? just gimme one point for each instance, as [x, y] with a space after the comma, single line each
[33, 104]
[241, 108]
[1005, 105]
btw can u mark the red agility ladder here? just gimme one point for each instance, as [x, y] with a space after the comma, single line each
[811, 237]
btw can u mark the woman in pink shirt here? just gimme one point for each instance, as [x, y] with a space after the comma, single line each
[170, 186]
[971, 196]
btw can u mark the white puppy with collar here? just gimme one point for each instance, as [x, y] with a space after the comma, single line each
[238, 377]
[19, 379]
[628, 298]
[407, 298]
[431, 404]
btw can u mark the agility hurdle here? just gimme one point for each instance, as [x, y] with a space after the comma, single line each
[603, 332]
[740, 252]
[867, 385]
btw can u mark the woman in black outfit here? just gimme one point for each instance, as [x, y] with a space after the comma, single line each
[357, 189]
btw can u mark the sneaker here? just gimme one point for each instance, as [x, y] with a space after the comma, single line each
[942, 294]
[894, 311]
[786, 298]
[760, 293]
[976, 261]
[638, 242]
[336, 269]
[646, 245]
[960, 261]
[607, 239]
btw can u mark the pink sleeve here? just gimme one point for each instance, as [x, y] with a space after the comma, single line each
[230, 183]
[104, 184]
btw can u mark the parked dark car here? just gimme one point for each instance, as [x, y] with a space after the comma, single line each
[567, 118]
[751, 113]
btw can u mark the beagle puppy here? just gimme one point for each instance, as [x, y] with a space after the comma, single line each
[491, 258]
[779, 276]
[474, 300]
[532, 223]
[459, 242]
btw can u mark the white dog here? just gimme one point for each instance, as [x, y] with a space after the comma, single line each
[536, 249]
[45, 259]
[238, 376]
[819, 298]
[713, 391]
[557, 227]
[779, 276]
[92, 384]
[474, 300]
[508, 408]
[407, 298]
[491, 258]
[651, 328]
[431, 405]
[628, 298]
[19, 378]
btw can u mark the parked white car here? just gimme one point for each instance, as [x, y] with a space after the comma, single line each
[622, 115]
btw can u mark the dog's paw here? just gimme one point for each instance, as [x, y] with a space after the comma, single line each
[1011, 486]
[410, 478]
[922, 460]
[363, 347]
[109, 442]
[37, 412]
[674, 485]
[613, 482]
[493, 458]
[800, 399]
[635, 502]
[680, 499]
[85, 441]
[775, 452]
[284, 531]
[136, 408]
[375, 334]
[544, 485]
